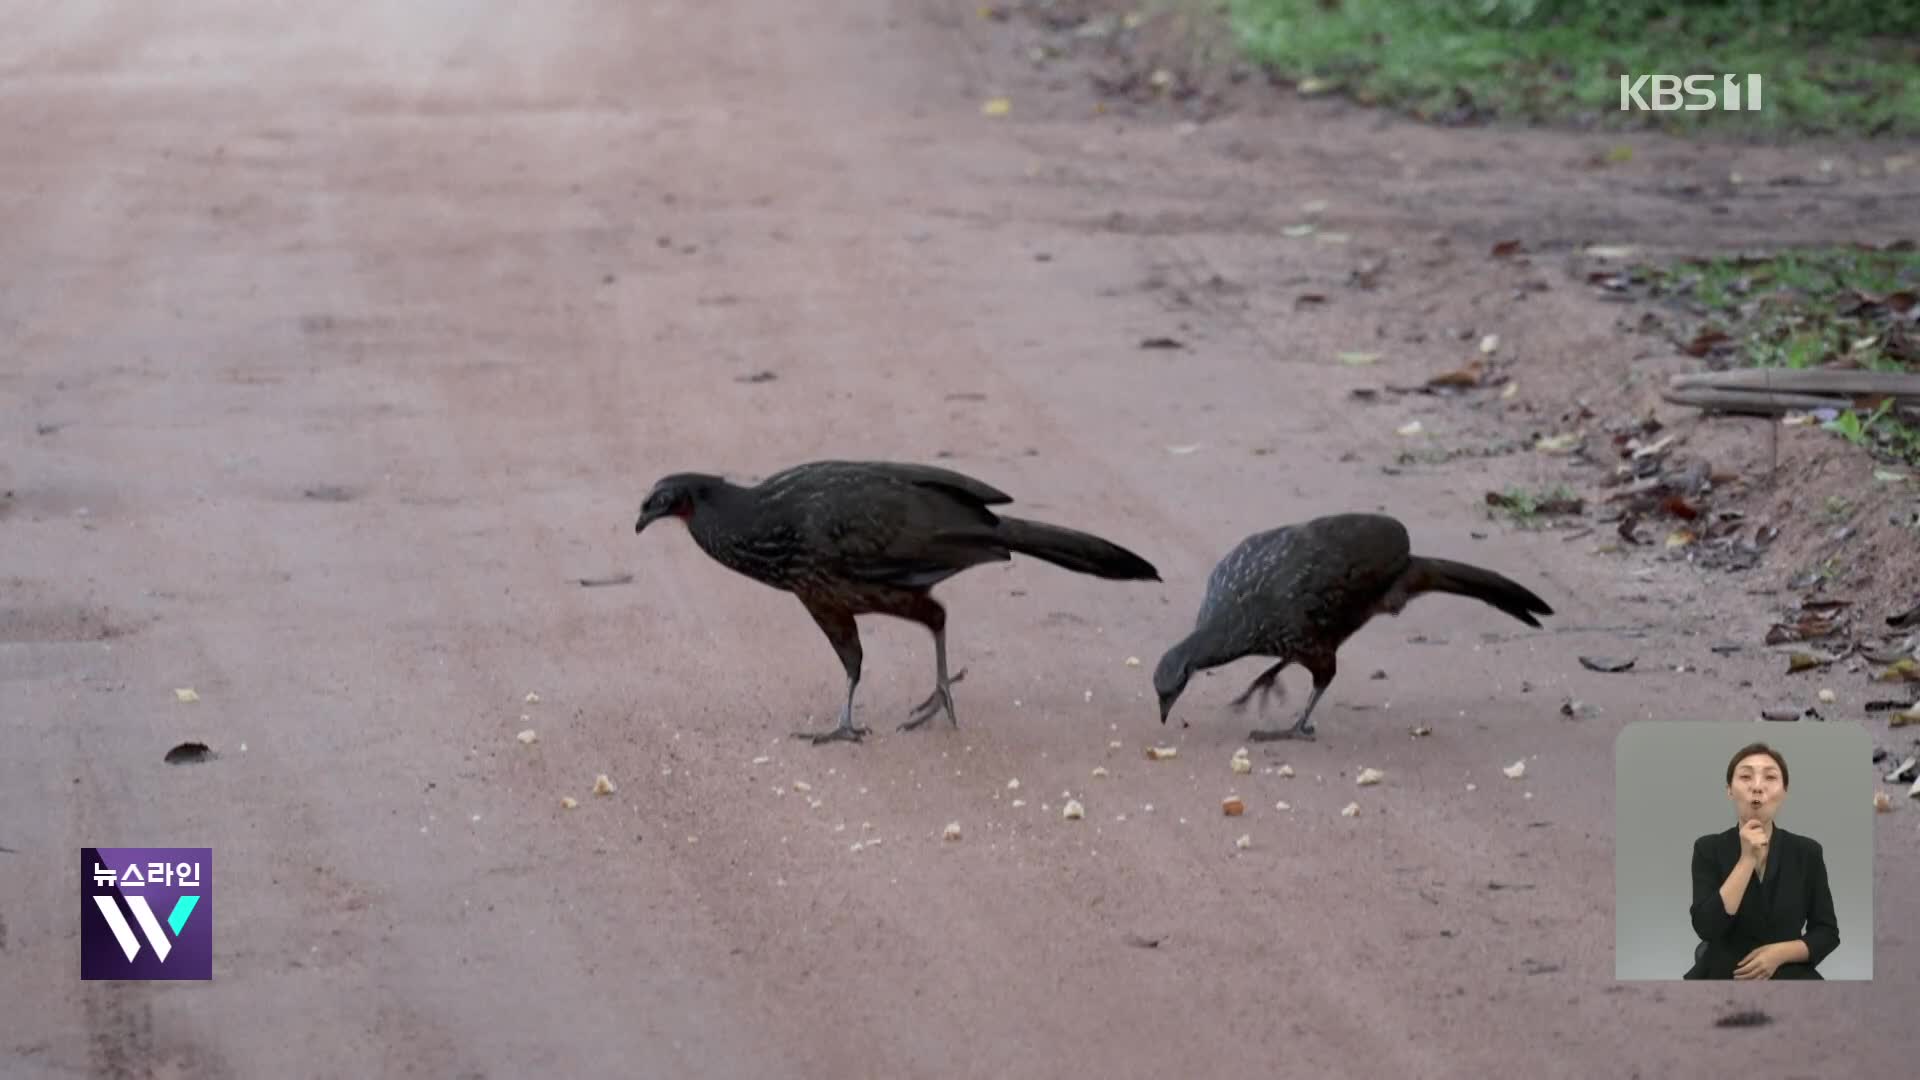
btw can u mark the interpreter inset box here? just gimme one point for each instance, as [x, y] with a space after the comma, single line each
[1743, 851]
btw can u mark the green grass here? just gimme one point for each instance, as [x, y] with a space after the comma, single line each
[1807, 309]
[1855, 71]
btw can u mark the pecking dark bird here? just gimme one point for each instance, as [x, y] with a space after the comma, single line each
[1298, 592]
[871, 538]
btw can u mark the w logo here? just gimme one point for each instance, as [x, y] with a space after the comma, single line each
[123, 892]
[182, 911]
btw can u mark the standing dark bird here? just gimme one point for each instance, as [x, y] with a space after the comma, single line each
[871, 538]
[1297, 593]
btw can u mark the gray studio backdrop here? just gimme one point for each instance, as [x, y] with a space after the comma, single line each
[1671, 787]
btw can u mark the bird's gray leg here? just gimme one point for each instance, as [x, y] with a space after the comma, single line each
[1265, 683]
[844, 635]
[1302, 728]
[929, 613]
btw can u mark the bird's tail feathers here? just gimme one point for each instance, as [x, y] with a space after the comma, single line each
[1073, 550]
[1463, 579]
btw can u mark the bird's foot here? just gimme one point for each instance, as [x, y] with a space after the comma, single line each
[843, 733]
[941, 700]
[1303, 734]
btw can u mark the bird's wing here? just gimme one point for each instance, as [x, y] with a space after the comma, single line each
[955, 485]
[892, 529]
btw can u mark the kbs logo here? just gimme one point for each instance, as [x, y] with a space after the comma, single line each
[1663, 93]
[146, 913]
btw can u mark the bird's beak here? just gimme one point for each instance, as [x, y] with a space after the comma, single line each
[647, 517]
[1166, 707]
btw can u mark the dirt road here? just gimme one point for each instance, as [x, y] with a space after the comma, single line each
[341, 342]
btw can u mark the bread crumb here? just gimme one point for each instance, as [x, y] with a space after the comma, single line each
[761, 760]
[1073, 811]
[1162, 753]
[1245, 842]
[1369, 777]
[602, 785]
[1286, 770]
[1240, 762]
[568, 802]
[532, 698]
[1516, 770]
[1099, 772]
[1352, 809]
[1882, 802]
[528, 737]
[1283, 805]
[952, 831]
[1133, 661]
[1233, 806]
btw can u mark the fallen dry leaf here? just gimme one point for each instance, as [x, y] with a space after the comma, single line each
[1233, 806]
[1507, 249]
[1806, 661]
[191, 753]
[1358, 359]
[1905, 670]
[1467, 376]
[1706, 341]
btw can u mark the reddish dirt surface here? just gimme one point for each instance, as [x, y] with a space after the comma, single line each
[341, 345]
